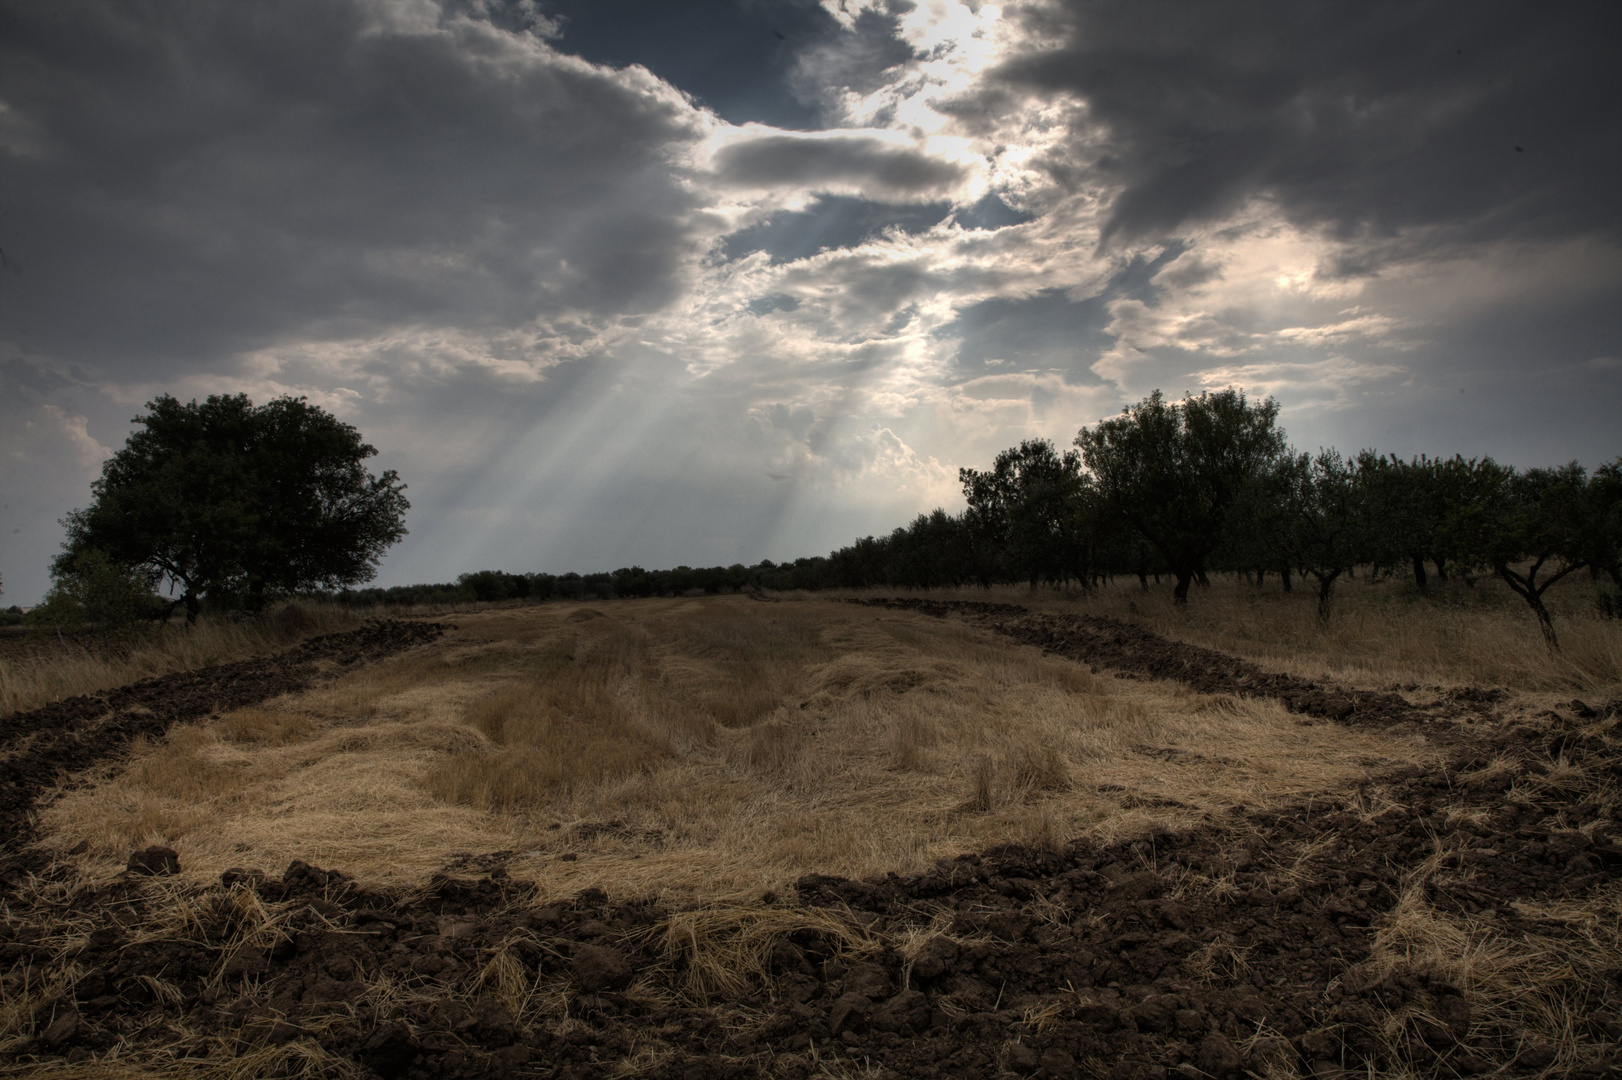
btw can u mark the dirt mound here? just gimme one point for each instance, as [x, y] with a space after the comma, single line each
[41, 745]
[1123, 647]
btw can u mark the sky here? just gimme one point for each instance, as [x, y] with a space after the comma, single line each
[662, 282]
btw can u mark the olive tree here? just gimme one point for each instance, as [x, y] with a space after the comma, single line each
[1176, 471]
[1327, 518]
[1533, 528]
[238, 503]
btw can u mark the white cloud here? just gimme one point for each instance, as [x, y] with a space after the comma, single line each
[1330, 378]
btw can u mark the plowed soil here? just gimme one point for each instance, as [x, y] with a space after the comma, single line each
[1131, 650]
[1262, 947]
[39, 747]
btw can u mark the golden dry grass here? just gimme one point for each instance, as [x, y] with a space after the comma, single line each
[56, 669]
[701, 749]
[1379, 632]
[1523, 988]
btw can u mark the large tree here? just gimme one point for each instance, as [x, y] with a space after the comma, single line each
[1175, 471]
[239, 503]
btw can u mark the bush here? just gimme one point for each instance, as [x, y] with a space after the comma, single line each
[91, 591]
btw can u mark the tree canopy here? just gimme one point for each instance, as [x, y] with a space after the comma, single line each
[1174, 471]
[239, 503]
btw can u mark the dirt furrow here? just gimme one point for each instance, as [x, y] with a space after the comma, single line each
[41, 746]
[1132, 650]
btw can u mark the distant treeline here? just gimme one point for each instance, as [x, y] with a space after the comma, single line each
[631, 581]
[1182, 490]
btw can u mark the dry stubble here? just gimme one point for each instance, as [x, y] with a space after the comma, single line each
[1379, 632]
[706, 749]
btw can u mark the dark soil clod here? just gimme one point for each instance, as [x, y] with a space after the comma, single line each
[155, 860]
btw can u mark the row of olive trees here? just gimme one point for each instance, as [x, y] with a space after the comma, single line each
[1531, 527]
[236, 504]
[1209, 483]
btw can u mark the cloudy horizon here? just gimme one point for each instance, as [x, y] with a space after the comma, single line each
[617, 282]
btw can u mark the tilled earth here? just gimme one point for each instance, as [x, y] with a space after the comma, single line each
[1461, 920]
[38, 747]
[1131, 650]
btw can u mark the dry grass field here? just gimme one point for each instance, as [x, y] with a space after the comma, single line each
[37, 667]
[1378, 632]
[697, 758]
[703, 749]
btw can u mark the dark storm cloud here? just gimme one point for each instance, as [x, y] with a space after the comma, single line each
[185, 181]
[836, 162]
[831, 222]
[1495, 119]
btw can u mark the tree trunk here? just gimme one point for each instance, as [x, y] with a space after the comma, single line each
[192, 607]
[1284, 576]
[1326, 589]
[1143, 580]
[1544, 622]
[1419, 572]
[1441, 568]
[1180, 594]
[1533, 595]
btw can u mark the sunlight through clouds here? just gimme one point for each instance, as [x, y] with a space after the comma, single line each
[595, 316]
